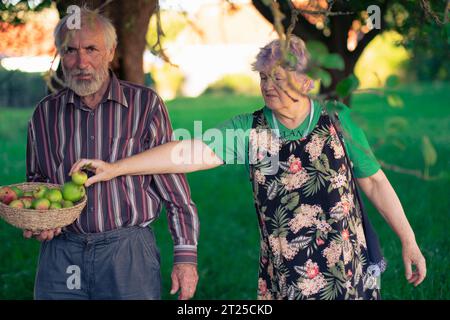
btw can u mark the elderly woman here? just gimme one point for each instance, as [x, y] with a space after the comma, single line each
[316, 240]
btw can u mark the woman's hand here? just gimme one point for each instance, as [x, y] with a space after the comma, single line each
[104, 171]
[412, 256]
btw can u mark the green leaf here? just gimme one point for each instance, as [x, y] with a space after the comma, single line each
[316, 48]
[429, 152]
[291, 200]
[320, 74]
[290, 60]
[395, 101]
[345, 87]
[395, 125]
[332, 61]
[392, 81]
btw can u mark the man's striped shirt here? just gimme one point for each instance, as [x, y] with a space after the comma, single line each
[129, 120]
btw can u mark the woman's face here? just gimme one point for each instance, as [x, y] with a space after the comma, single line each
[280, 92]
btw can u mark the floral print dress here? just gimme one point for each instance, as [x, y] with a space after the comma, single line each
[313, 244]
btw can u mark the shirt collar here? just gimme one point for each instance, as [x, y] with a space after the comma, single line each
[113, 93]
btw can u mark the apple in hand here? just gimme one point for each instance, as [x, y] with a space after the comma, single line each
[79, 177]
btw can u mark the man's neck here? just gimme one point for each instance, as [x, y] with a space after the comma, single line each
[94, 99]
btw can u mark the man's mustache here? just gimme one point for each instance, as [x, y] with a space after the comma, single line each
[80, 73]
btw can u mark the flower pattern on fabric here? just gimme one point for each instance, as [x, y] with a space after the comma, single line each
[305, 216]
[314, 147]
[314, 280]
[264, 141]
[259, 177]
[312, 239]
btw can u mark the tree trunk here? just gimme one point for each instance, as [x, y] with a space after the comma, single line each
[131, 19]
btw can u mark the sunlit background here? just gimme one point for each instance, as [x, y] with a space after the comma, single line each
[210, 45]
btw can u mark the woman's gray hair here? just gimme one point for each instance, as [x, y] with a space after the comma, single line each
[88, 18]
[271, 54]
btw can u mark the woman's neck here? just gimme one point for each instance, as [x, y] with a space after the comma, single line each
[292, 116]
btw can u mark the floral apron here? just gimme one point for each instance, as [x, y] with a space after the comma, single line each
[313, 243]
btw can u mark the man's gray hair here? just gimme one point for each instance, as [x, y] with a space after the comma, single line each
[89, 18]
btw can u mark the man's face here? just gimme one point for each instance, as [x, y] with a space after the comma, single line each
[85, 60]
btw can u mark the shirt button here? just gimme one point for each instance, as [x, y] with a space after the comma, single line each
[92, 137]
[92, 113]
[91, 209]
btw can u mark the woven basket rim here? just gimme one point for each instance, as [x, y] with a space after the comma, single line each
[20, 217]
[36, 184]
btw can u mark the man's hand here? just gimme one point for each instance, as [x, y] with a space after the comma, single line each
[45, 235]
[184, 276]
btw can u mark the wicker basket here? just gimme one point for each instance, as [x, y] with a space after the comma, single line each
[38, 220]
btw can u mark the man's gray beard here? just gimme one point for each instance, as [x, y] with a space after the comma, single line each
[85, 87]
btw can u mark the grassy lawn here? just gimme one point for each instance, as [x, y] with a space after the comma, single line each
[229, 239]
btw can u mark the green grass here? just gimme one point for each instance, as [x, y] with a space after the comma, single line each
[229, 238]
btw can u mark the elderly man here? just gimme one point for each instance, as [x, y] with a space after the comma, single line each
[109, 252]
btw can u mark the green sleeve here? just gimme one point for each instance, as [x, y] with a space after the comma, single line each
[229, 140]
[364, 162]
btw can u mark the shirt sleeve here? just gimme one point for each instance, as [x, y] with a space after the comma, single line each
[229, 140]
[174, 190]
[364, 162]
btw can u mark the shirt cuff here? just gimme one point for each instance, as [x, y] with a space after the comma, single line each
[185, 254]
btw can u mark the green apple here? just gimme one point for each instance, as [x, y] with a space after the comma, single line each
[41, 204]
[83, 191]
[79, 177]
[18, 192]
[17, 204]
[55, 205]
[67, 204]
[72, 191]
[54, 195]
[40, 192]
[27, 201]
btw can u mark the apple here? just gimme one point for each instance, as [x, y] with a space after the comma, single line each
[17, 204]
[72, 191]
[79, 177]
[27, 201]
[54, 195]
[55, 205]
[18, 192]
[7, 195]
[41, 204]
[40, 192]
[83, 191]
[67, 204]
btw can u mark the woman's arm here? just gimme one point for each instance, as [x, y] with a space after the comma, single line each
[172, 157]
[380, 192]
